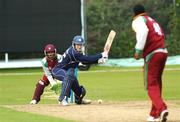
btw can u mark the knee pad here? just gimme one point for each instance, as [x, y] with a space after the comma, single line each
[41, 82]
[78, 99]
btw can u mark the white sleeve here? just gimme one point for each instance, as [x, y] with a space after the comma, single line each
[59, 57]
[47, 73]
[141, 30]
[50, 78]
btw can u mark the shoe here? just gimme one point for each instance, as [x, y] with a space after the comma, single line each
[153, 119]
[33, 102]
[150, 119]
[157, 119]
[86, 101]
[164, 115]
[64, 101]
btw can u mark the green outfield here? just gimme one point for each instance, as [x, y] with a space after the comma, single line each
[111, 84]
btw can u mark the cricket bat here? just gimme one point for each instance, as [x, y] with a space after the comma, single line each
[109, 41]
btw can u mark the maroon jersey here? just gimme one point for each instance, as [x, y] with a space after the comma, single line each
[155, 38]
[49, 64]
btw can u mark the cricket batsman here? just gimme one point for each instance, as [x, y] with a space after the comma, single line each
[64, 70]
[48, 62]
[150, 43]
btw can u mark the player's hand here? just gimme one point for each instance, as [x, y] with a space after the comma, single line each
[136, 56]
[104, 54]
[102, 60]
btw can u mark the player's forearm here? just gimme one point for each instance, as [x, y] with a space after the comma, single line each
[48, 74]
[90, 59]
[141, 30]
[141, 39]
[51, 79]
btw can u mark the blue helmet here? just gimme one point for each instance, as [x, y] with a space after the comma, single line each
[78, 40]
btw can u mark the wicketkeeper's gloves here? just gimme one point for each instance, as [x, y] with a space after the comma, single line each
[55, 88]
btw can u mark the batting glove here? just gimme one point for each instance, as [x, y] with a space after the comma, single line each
[104, 54]
[102, 60]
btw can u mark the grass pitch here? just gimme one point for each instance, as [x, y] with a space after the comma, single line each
[107, 83]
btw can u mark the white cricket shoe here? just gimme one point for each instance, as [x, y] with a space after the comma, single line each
[64, 101]
[152, 119]
[157, 119]
[33, 102]
[86, 101]
[163, 116]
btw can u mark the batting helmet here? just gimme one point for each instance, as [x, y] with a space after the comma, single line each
[78, 40]
[49, 48]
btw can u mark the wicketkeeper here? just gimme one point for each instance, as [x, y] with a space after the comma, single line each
[64, 70]
[48, 62]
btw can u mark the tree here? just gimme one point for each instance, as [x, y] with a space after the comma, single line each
[104, 15]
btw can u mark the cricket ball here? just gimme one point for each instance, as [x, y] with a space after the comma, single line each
[99, 101]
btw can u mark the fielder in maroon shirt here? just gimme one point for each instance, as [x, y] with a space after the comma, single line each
[150, 44]
[48, 62]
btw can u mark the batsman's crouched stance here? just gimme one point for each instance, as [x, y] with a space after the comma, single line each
[65, 70]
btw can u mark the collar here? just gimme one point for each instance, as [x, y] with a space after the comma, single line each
[142, 14]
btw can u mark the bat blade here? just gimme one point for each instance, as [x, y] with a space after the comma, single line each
[109, 41]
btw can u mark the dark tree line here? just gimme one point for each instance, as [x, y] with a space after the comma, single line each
[104, 15]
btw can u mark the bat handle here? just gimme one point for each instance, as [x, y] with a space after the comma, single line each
[106, 50]
[105, 53]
